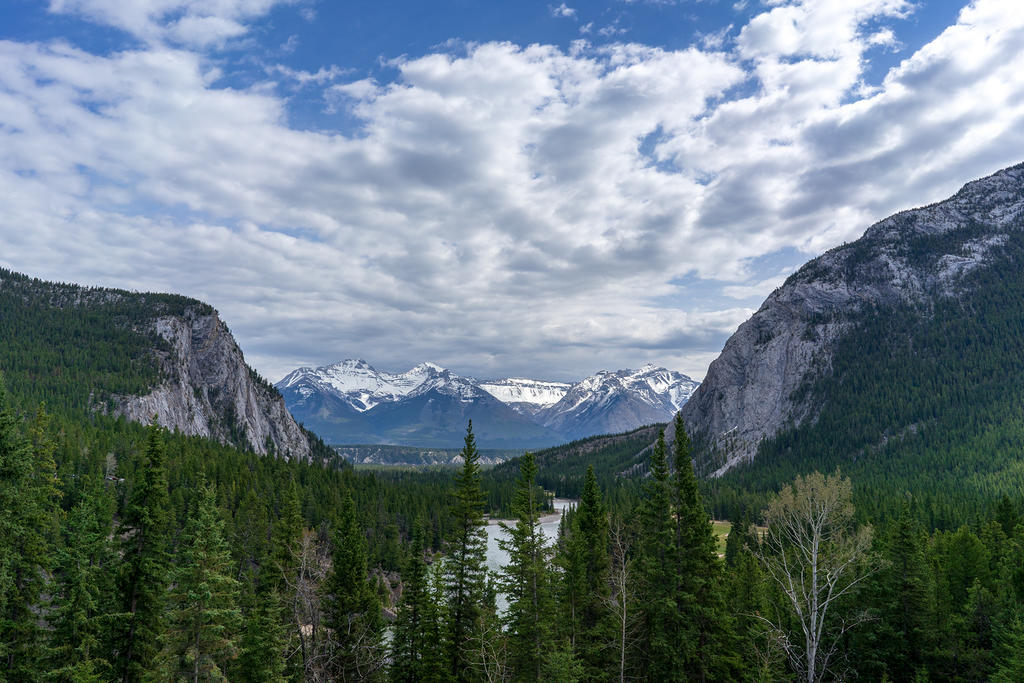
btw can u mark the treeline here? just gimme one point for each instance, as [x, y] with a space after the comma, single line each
[167, 558]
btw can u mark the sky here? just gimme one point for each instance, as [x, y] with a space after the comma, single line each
[503, 188]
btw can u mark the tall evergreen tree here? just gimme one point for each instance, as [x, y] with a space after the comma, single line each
[143, 580]
[350, 604]
[656, 566]
[262, 645]
[588, 569]
[435, 659]
[414, 645]
[204, 618]
[1010, 664]
[84, 568]
[899, 641]
[705, 650]
[465, 565]
[280, 577]
[527, 580]
[28, 526]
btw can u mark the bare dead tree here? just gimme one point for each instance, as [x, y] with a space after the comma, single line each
[490, 659]
[815, 554]
[311, 566]
[621, 600]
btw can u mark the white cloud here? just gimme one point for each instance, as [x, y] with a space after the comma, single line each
[502, 209]
[562, 11]
[321, 76]
[193, 23]
[758, 289]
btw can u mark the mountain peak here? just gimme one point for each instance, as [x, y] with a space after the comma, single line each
[765, 378]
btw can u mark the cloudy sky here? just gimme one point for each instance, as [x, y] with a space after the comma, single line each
[504, 188]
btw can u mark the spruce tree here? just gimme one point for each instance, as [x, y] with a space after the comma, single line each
[592, 564]
[656, 566]
[527, 580]
[465, 565]
[204, 618]
[705, 637]
[84, 567]
[1010, 663]
[29, 514]
[143, 579]
[262, 645]
[414, 625]
[280, 577]
[350, 604]
[435, 658]
[902, 635]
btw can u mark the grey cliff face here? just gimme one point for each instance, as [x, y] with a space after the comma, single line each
[748, 393]
[210, 391]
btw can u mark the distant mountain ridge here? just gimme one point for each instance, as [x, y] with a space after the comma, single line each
[350, 402]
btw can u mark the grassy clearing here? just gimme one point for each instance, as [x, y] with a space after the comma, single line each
[721, 529]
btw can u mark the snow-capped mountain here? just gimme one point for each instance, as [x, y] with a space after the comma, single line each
[618, 401]
[352, 402]
[358, 383]
[527, 396]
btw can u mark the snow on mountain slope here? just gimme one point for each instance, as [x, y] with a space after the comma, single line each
[617, 401]
[531, 391]
[352, 402]
[358, 383]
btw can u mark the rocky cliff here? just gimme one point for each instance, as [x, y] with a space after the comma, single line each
[208, 390]
[754, 388]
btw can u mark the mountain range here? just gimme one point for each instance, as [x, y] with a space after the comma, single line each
[351, 402]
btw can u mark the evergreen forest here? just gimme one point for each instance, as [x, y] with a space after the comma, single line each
[131, 553]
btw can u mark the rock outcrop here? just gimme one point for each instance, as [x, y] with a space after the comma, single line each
[751, 390]
[208, 390]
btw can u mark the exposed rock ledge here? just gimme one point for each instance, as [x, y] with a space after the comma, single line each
[210, 391]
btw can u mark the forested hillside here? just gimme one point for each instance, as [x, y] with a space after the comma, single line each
[921, 401]
[87, 351]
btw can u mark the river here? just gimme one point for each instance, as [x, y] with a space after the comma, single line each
[498, 558]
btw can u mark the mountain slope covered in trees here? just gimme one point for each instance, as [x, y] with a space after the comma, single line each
[97, 350]
[773, 373]
[898, 358]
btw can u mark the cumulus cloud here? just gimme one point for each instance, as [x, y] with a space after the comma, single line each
[193, 23]
[501, 208]
[562, 11]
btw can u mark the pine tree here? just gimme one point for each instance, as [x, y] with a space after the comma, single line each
[705, 637]
[434, 659]
[143, 579]
[350, 604]
[204, 618]
[84, 566]
[28, 527]
[465, 565]
[1010, 665]
[656, 566]
[414, 625]
[590, 567]
[902, 592]
[527, 580]
[263, 641]
[280, 577]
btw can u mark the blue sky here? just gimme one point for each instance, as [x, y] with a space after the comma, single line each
[504, 188]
